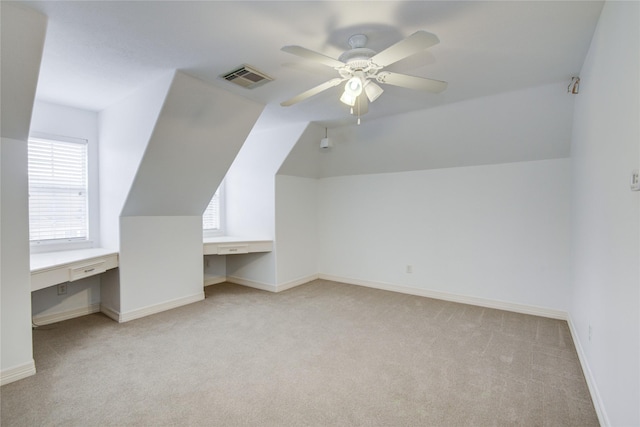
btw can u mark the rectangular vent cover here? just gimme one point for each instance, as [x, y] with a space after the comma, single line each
[247, 77]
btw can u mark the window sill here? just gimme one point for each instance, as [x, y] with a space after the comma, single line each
[58, 246]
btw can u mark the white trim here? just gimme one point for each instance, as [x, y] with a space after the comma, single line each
[18, 372]
[297, 282]
[111, 313]
[214, 280]
[271, 288]
[603, 419]
[252, 284]
[46, 319]
[158, 308]
[482, 302]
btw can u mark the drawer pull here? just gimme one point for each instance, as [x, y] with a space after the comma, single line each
[89, 270]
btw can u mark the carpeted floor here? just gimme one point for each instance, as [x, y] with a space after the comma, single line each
[321, 354]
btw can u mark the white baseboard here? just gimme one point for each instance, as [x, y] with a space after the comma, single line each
[252, 284]
[297, 282]
[214, 280]
[17, 372]
[271, 288]
[588, 375]
[156, 308]
[111, 313]
[46, 319]
[482, 302]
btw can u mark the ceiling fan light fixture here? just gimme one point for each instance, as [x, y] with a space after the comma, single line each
[353, 89]
[348, 98]
[372, 90]
[354, 86]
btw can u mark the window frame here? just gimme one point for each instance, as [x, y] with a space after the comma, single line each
[221, 214]
[40, 246]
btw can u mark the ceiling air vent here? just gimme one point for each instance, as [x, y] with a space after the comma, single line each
[247, 77]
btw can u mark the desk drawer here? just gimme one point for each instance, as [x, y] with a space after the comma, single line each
[82, 271]
[233, 249]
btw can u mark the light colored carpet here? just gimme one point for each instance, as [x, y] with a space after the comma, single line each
[321, 354]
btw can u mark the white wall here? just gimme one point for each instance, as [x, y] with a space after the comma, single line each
[296, 229]
[22, 40]
[124, 132]
[498, 232]
[606, 215]
[215, 267]
[15, 280]
[82, 297]
[250, 199]
[305, 157]
[148, 284]
[186, 136]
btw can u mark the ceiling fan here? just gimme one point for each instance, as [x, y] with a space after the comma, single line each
[360, 66]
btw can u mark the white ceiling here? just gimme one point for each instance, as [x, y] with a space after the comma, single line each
[96, 53]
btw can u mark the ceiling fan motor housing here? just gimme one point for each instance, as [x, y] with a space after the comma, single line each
[358, 58]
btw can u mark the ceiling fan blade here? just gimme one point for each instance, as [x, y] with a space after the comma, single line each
[303, 52]
[411, 82]
[313, 91]
[361, 107]
[416, 42]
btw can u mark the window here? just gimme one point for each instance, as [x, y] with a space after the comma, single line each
[212, 219]
[58, 191]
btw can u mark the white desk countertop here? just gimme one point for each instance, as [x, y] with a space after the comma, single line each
[233, 239]
[47, 260]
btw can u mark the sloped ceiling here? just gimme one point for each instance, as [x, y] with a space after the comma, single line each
[525, 125]
[98, 52]
[22, 36]
[198, 134]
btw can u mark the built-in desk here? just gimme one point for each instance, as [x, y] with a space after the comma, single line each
[228, 245]
[53, 268]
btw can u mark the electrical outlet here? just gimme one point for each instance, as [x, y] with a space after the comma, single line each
[590, 332]
[635, 180]
[62, 289]
[409, 269]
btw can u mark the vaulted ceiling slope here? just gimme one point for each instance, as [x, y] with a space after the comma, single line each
[98, 52]
[524, 125]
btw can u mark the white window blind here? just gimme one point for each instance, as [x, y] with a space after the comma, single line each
[211, 216]
[58, 202]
